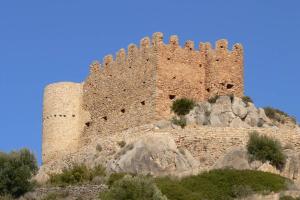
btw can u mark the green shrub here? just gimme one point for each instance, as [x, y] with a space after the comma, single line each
[122, 143]
[179, 122]
[289, 198]
[265, 149]
[114, 177]
[278, 115]
[133, 188]
[182, 106]
[221, 184]
[213, 99]
[247, 99]
[6, 197]
[16, 170]
[76, 175]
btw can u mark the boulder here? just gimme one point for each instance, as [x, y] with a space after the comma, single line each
[252, 118]
[236, 158]
[239, 108]
[153, 154]
[203, 111]
[238, 123]
[291, 169]
[221, 113]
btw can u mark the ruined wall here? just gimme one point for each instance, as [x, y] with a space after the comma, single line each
[120, 93]
[63, 119]
[208, 144]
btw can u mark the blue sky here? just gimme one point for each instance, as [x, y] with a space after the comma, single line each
[47, 41]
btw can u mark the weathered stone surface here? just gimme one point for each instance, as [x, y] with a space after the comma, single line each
[163, 124]
[203, 111]
[236, 158]
[239, 108]
[252, 117]
[292, 166]
[267, 167]
[238, 123]
[153, 154]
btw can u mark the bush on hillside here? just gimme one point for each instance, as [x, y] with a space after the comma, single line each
[277, 115]
[179, 122]
[247, 99]
[133, 188]
[182, 106]
[264, 149]
[78, 174]
[289, 198]
[16, 171]
[226, 184]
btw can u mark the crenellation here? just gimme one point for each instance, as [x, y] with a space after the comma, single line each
[95, 67]
[145, 43]
[221, 45]
[132, 53]
[107, 60]
[189, 45]
[157, 39]
[174, 41]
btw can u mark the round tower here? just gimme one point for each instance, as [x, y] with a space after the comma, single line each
[62, 120]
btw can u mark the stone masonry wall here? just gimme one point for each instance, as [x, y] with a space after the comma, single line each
[139, 87]
[208, 144]
[136, 88]
[63, 119]
[120, 94]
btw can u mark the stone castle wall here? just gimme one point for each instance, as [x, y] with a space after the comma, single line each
[135, 88]
[63, 119]
[139, 87]
[196, 74]
[121, 93]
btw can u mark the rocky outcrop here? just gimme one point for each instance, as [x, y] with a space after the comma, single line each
[237, 158]
[228, 112]
[153, 154]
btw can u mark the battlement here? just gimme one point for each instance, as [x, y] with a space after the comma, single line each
[148, 45]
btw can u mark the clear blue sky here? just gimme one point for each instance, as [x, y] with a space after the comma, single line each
[48, 41]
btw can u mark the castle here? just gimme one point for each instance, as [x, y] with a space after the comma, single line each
[136, 88]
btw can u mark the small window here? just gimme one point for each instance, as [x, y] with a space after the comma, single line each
[229, 86]
[123, 110]
[143, 103]
[171, 96]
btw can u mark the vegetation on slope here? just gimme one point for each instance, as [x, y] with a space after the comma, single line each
[221, 184]
[16, 170]
[182, 106]
[78, 174]
[133, 188]
[278, 115]
[264, 149]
